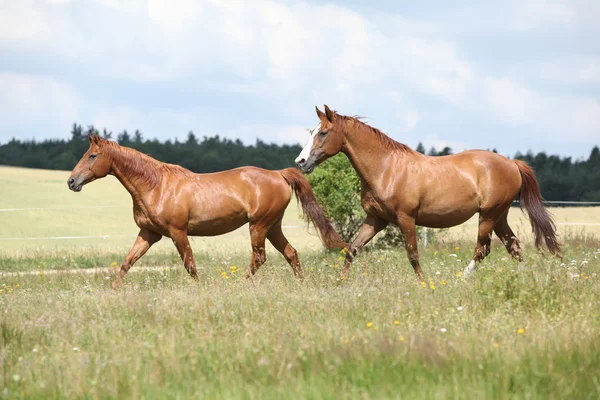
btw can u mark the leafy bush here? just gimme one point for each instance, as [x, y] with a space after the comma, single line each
[337, 188]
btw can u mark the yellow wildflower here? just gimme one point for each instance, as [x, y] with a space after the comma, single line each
[495, 345]
[459, 274]
[344, 250]
[401, 338]
[520, 331]
[396, 322]
[369, 324]
[457, 248]
[443, 282]
[432, 286]
[233, 269]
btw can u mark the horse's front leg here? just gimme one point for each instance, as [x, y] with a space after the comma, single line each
[409, 231]
[368, 230]
[144, 240]
[180, 238]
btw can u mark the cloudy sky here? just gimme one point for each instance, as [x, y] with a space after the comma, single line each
[515, 75]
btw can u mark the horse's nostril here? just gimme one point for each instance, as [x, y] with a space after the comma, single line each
[70, 181]
[301, 161]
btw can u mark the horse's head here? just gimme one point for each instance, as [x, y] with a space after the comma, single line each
[326, 140]
[94, 164]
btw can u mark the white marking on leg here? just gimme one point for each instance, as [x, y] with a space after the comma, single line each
[472, 267]
[305, 153]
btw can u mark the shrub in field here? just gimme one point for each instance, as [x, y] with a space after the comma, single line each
[337, 188]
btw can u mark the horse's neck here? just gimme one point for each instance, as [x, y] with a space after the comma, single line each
[133, 170]
[369, 156]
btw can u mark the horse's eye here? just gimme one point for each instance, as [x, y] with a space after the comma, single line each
[92, 156]
[323, 133]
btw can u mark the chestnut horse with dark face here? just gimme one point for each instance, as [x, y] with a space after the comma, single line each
[406, 188]
[169, 200]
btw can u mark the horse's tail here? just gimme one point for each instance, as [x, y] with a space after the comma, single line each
[311, 208]
[531, 199]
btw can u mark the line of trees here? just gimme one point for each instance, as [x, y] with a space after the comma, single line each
[561, 178]
[208, 154]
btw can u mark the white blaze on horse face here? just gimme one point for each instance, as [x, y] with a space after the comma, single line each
[305, 153]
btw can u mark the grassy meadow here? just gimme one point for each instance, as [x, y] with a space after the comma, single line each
[525, 331]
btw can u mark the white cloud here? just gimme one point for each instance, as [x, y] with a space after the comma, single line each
[287, 57]
[434, 141]
[289, 134]
[511, 103]
[22, 22]
[29, 99]
[550, 118]
[533, 13]
[411, 118]
[584, 70]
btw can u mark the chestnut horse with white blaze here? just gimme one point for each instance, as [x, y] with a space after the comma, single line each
[169, 200]
[407, 188]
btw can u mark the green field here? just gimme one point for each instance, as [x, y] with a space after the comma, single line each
[529, 330]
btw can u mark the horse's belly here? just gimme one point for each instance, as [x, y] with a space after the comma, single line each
[215, 227]
[444, 219]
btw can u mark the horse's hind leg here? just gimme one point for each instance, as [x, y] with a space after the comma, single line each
[484, 240]
[508, 238]
[257, 239]
[280, 242]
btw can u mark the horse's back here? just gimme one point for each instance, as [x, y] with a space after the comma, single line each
[497, 177]
[259, 190]
[450, 189]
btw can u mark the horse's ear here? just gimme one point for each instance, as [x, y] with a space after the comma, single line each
[320, 113]
[329, 114]
[91, 138]
[97, 139]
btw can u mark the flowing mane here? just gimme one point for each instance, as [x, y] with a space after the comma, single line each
[144, 167]
[384, 139]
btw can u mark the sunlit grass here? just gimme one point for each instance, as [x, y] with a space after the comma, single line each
[529, 330]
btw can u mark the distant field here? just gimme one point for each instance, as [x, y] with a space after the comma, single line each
[526, 330]
[47, 209]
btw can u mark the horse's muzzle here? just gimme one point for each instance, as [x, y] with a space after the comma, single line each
[306, 166]
[73, 186]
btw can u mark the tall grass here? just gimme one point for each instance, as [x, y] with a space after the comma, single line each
[529, 330]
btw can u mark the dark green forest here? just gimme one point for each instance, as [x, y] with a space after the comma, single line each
[560, 178]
